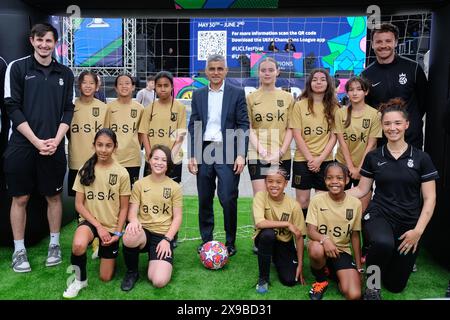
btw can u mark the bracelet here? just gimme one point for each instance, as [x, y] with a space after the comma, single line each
[323, 239]
[118, 233]
[167, 239]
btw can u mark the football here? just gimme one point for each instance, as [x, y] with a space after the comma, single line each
[214, 255]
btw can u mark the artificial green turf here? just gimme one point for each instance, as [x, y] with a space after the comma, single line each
[190, 280]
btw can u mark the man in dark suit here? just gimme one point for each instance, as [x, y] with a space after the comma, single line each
[218, 141]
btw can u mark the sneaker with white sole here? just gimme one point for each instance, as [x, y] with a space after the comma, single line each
[74, 288]
[20, 261]
[53, 256]
[94, 254]
[262, 286]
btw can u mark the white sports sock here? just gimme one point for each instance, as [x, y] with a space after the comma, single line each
[19, 245]
[54, 238]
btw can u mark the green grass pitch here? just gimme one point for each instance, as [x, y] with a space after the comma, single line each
[190, 280]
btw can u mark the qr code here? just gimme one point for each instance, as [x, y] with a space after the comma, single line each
[211, 42]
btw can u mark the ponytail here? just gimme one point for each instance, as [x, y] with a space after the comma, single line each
[87, 172]
[349, 116]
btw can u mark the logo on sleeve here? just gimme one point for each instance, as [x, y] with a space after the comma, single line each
[402, 79]
[112, 179]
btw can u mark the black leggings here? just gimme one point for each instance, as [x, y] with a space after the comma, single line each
[284, 255]
[382, 241]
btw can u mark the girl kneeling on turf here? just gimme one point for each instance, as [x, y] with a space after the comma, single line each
[154, 217]
[280, 227]
[102, 193]
[334, 220]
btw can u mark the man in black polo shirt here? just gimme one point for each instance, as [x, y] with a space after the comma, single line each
[38, 100]
[393, 76]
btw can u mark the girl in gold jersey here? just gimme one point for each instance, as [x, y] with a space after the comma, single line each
[334, 222]
[154, 217]
[280, 227]
[123, 117]
[312, 120]
[357, 127]
[102, 193]
[270, 136]
[88, 117]
[164, 122]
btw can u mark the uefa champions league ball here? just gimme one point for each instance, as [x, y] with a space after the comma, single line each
[214, 255]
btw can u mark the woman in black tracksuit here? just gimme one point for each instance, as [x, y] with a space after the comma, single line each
[403, 202]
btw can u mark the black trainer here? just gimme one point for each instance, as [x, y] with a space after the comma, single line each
[372, 294]
[129, 280]
[317, 290]
[231, 250]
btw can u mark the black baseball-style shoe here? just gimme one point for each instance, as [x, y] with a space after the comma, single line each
[129, 280]
[231, 250]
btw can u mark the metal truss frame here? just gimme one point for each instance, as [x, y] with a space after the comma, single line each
[129, 50]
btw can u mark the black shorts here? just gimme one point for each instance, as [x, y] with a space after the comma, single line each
[27, 171]
[105, 252]
[254, 169]
[345, 261]
[150, 246]
[70, 181]
[305, 179]
[175, 174]
[134, 174]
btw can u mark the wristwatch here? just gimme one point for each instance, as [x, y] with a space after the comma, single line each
[167, 239]
[117, 233]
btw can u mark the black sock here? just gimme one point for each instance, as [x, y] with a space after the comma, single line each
[131, 256]
[305, 211]
[264, 266]
[80, 262]
[319, 274]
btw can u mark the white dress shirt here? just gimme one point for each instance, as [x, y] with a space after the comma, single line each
[213, 130]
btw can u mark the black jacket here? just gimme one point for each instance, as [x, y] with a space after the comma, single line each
[403, 78]
[43, 101]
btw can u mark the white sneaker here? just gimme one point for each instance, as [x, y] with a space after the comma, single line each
[75, 287]
[54, 255]
[20, 261]
[94, 254]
